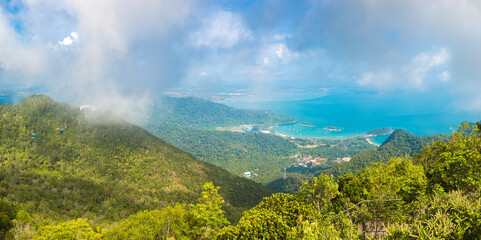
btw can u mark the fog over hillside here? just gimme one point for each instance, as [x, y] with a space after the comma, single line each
[120, 54]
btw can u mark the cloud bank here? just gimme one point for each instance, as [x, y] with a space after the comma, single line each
[120, 53]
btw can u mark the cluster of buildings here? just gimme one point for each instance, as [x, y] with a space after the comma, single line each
[311, 161]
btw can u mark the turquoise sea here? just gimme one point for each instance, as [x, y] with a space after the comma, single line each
[355, 113]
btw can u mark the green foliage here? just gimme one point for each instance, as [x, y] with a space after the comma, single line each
[454, 215]
[189, 123]
[8, 213]
[106, 169]
[24, 227]
[203, 220]
[379, 186]
[319, 191]
[399, 144]
[72, 230]
[273, 218]
[101, 167]
[200, 113]
[142, 225]
[152, 224]
[455, 164]
[331, 226]
[285, 216]
[380, 131]
[206, 218]
[265, 154]
[290, 184]
[258, 224]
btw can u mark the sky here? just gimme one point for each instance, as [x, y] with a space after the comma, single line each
[120, 53]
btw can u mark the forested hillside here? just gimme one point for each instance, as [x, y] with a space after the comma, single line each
[433, 196]
[88, 182]
[265, 154]
[58, 162]
[399, 144]
[200, 113]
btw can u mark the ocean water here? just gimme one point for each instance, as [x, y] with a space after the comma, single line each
[13, 94]
[6, 98]
[355, 113]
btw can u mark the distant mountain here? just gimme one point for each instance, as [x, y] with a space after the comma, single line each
[200, 113]
[380, 131]
[60, 162]
[399, 144]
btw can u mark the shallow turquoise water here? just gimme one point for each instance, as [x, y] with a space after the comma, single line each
[357, 113]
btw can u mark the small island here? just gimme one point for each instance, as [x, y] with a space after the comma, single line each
[306, 124]
[332, 128]
[380, 131]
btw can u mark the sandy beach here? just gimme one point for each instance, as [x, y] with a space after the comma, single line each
[370, 141]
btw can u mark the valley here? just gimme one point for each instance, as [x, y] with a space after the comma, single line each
[246, 146]
[60, 162]
[240, 120]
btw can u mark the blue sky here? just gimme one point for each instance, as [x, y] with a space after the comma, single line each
[121, 52]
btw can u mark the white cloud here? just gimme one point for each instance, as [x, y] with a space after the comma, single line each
[66, 41]
[122, 40]
[423, 63]
[221, 30]
[380, 79]
[74, 35]
[414, 75]
[371, 36]
[444, 76]
[17, 57]
[266, 61]
[69, 40]
[280, 51]
[203, 74]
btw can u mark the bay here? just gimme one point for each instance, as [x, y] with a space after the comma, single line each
[355, 113]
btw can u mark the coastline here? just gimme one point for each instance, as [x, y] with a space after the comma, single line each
[370, 141]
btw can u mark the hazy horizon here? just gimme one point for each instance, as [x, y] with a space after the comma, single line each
[120, 54]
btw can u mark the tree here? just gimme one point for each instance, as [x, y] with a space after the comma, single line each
[72, 230]
[285, 216]
[319, 191]
[151, 224]
[24, 226]
[454, 215]
[455, 164]
[258, 224]
[206, 218]
[8, 212]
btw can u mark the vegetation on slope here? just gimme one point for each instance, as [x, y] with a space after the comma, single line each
[380, 131]
[100, 167]
[399, 144]
[265, 154]
[434, 195]
[200, 113]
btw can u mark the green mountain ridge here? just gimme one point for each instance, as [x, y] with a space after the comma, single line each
[101, 166]
[200, 113]
[399, 144]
